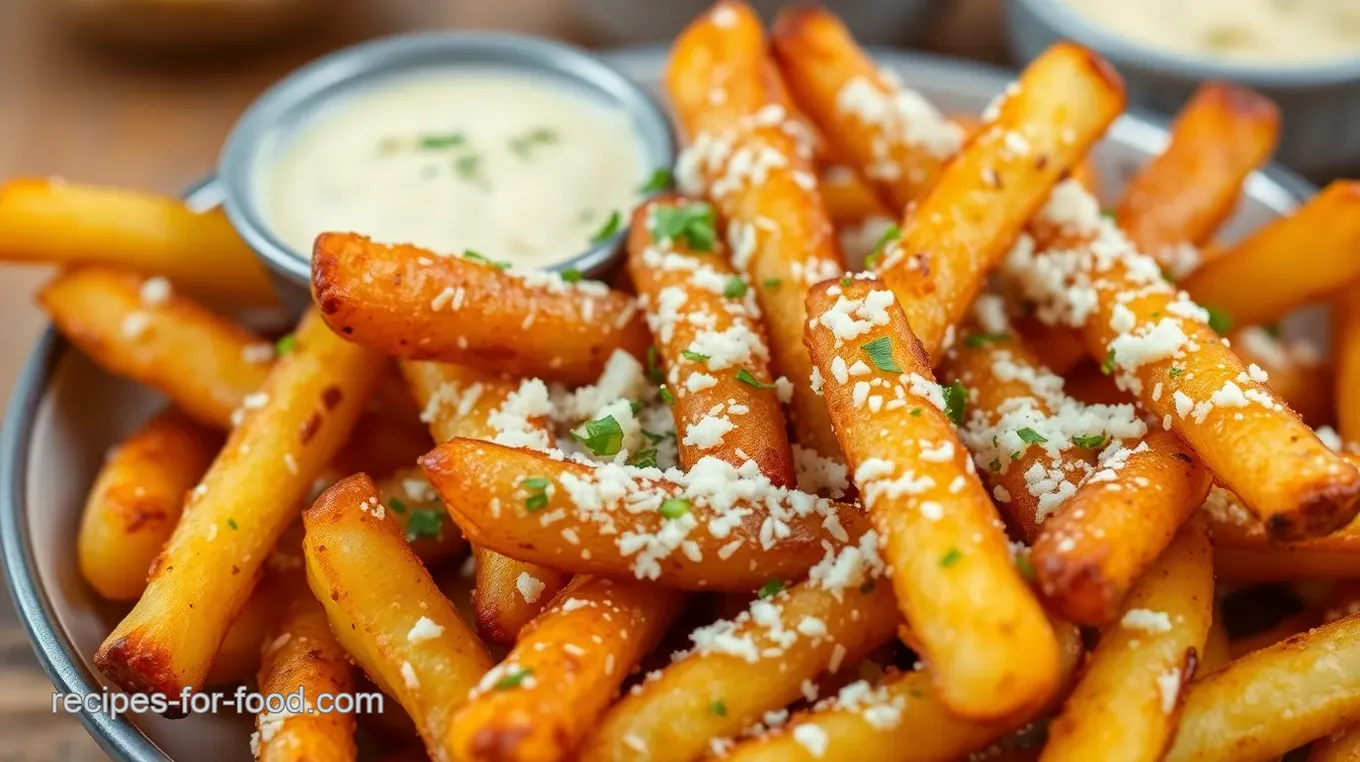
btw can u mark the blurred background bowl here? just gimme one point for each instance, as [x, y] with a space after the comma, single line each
[1319, 102]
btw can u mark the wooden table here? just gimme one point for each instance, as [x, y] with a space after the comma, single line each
[72, 110]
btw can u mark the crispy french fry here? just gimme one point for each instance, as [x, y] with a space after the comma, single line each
[1057, 347]
[777, 228]
[713, 528]
[1183, 195]
[232, 519]
[1161, 348]
[1100, 542]
[682, 288]
[961, 228]
[420, 516]
[1217, 653]
[1259, 280]
[1124, 706]
[566, 668]
[969, 608]
[1274, 700]
[742, 668]
[61, 223]
[1299, 375]
[458, 401]
[136, 501]
[900, 720]
[1243, 552]
[848, 200]
[126, 323]
[1287, 627]
[238, 657]
[895, 138]
[469, 311]
[1089, 384]
[396, 625]
[300, 653]
[1346, 351]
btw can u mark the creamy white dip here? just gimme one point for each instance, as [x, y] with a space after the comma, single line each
[1248, 31]
[508, 165]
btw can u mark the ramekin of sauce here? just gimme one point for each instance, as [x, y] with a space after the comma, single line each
[521, 149]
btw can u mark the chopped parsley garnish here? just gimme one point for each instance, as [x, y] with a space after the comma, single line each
[603, 437]
[674, 507]
[773, 283]
[955, 401]
[536, 502]
[537, 483]
[538, 496]
[440, 142]
[1030, 436]
[468, 166]
[735, 288]
[950, 558]
[285, 345]
[916, 411]
[880, 352]
[512, 680]
[693, 356]
[659, 181]
[644, 458]
[978, 340]
[654, 372]
[995, 465]
[524, 144]
[1023, 565]
[1219, 320]
[477, 257]
[747, 378]
[654, 438]
[690, 223]
[770, 589]
[666, 395]
[846, 281]
[1175, 372]
[231, 523]
[1107, 214]
[1107, 367]
[611, 226]
[892, 233]
[426, 522]
[1093, 442]
[397, 505]
[572, 275]
[718, 708]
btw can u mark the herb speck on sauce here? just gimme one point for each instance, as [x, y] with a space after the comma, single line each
[524, 145]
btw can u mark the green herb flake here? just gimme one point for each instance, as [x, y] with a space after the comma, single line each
[537, 483]
[718, 708]
[572, 275]
[397, 505]
[426, 522]
[745, 376]
[1030, 436]
[610, 228]
[773, 283]
[1023, 566]
[232, 523]
[285, 345]
[995, 465]
[735, 288]
[880, 352]
[478, 257]
[666, 395]
[674, 507]
[512, 680]
[1093, 442]
[770, 589]
[523, 145]
[692, 224]
[1175, 372]
[1107, 367]
[441, 141]
[950, 558]
[603, 436]
[916, 411]
[892, 233]
[644, 458]
[1219, 320]
[536, 502]
[660, 180]
[979, 340]
[468, 166]
[693, 356]
[955, 401]
[654, 372]
[846, 281]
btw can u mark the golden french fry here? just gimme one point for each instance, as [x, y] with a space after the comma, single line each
[301, 654]
[1100, 542]
[420, 516]
[1299, 375]
[1274, 700]
[396, 625]
[238, 657]
[1217, 651]
[1244, 552]
[136, 501]
[741, 668]
[133, 327]
[714, 528]
[683, 287]
[1287, 627]
[778, 231]
[848, 200]
[232, 519]
[959, 230]
[1346, 351]
[978, 624]
[1259, 280]
[414, 304]
[1143, 661]
[45, 220]
[566, 668]
[1183, 195]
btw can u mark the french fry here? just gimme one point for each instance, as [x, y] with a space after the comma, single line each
[900, 719]
[232, 519]
[1183, 195]
[1346, 351]
[1259, 280]
[420, 516]
[458, 401]
[238, 657]
[1299, 375]
[1339, 746]
[988, 644]
[848, 200]
[1274, 700]
[1057, 347]
[396, 625]
[959, 230]
[468, 311]
[778, 231]
[739, 669]
[714, 528]
[1244, 552]
[1287, 627]
[566, 668]
[1217, 653]
[301, 654]
[682, 288]
[1100, 542]
[45, 220]
[1160, 347]
[1124, 706]
[1089, 384]
[130, 327]
[895, 139]
[136, 500]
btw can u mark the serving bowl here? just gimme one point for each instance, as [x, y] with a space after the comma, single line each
[66, 413]
[1319, 103]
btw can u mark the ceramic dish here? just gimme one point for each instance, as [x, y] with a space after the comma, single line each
[65, 413]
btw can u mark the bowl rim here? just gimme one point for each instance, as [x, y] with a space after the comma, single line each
[1126, 53]
[57, 654]
[319, 81]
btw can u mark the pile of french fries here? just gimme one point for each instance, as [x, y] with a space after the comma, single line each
[987, 494]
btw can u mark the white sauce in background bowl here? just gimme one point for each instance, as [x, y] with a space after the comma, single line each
[1269, 32]
[513, 166]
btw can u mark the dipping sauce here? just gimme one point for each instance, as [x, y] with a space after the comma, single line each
[1273, 32]
[512, 166]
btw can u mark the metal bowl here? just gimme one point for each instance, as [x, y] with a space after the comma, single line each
[66, 413]
[273, 121]
[1319, 103]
